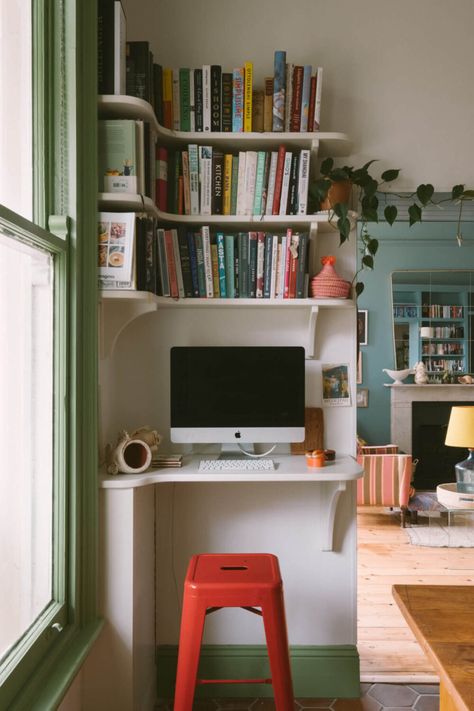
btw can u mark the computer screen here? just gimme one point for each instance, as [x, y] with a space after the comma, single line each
[237, 394]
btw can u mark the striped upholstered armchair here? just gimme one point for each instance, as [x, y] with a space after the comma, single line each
[386, 481]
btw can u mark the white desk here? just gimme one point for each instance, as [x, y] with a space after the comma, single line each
[132, 509]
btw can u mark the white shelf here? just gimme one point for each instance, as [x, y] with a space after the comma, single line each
[132, 202]
[328, 143]
[332, 480]
[120, 308]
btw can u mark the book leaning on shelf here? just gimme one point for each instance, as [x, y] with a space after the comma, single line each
[127, 157]
[111, 32]
[202, 180]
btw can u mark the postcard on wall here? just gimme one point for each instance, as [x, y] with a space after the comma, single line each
[116, 233]
[336, 390]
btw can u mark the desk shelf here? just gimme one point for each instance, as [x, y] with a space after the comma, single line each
[119, 308]
[332, 480]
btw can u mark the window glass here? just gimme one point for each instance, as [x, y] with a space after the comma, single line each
[26, 436]
[16, 177]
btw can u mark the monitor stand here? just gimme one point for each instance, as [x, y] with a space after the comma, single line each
[256, 449]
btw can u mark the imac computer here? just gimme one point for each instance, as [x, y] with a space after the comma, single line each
[238, 395]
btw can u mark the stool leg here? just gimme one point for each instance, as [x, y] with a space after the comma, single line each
[190, 637]
[277, 643]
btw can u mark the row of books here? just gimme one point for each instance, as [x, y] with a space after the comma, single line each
[440, 364]
[127, 157]
[134, 253]
[209, 99]
[447, 331]
[206, 98]
[441, 311]
[204, 181]
[442, 348]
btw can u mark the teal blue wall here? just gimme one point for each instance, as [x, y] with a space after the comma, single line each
[427, 246]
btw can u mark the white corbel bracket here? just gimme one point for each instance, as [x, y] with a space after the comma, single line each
[330, 492]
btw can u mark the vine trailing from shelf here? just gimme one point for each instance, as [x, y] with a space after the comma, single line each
[369, 195]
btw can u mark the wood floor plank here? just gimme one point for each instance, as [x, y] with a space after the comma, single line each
[387, 648]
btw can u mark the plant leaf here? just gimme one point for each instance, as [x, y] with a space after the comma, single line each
[457, 191]
[370, 188]
[341, 209]
[359, 288]
[370, 215]
[424, 193]
[368, 261]
[326, 166]
[370, 201]
[339, 174]
[415, 213]
[344, 227]
[389, 175]
[390, 214]
[373, 245]
[367, 165]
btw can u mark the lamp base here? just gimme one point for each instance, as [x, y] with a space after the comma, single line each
[465, 474]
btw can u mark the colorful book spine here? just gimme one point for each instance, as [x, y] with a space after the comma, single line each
[290, 68]
[206, 97]
[267, 266]
[292, 202]
[215, 271]
[184, 100]
[303, 249]
[280, 282]
[295, 238]
[185, 262]
[193, 157]
[285, 183]
[317, 103]
[279, 91]
[226, 208]
[268, 105]
[259, 175]
[206, 248]
[163, 264]
[205, 174]
[158, 92]
[257, 110]
[312, 100]
[229, 265]
[177, 261]
[248, 86]
[162, 178]
[168, 98]
[176, 101]
[273, 266]
[252, 264]
[278, 180]
[193, 263]
[303, 182]
[234, 185]
[216, 71]
[271, 182]
[217, 182]
[201, 273]
[221, 264]
[243, 251]
[305, 97]
[236, 266]
[170, 261]
[286, 280]
[238, 99]
[240, 208]
[251, 159]
[186, 184]
[226, 102]
[260, 265]
[266, 174]
[198, 105]
[192, 106]
[295, 119]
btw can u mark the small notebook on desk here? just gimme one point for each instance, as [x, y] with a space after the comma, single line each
[167, 460]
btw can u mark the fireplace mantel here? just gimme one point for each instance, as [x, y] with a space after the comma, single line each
[401, 398]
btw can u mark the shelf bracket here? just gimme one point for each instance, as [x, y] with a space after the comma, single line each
[114, 317]
[313, 316]
[330, 491]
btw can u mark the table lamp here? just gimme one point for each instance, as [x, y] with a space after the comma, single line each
[461, 434]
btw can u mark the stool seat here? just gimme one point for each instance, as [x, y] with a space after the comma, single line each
[247, 580]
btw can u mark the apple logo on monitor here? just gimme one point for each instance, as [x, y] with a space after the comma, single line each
[237, 435]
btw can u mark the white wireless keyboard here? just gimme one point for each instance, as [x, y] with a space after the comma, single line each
[232, 465]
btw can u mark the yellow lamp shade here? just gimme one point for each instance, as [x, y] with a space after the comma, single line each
[461, 427]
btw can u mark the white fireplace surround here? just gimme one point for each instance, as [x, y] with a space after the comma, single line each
[402, 397]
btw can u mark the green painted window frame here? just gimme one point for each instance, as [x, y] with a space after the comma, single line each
[65, 206]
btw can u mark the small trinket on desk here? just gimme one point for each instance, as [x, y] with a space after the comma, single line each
[315, 458]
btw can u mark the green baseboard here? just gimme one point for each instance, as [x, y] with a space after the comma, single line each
[318, 672]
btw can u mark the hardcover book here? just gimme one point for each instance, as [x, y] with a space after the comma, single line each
[252, 264]
[260, 265]
[206, 248]
[193, 178]
[163, 264]
[278, 180]
[206, 97]
[292, 202]
[226, 102]
[251, 158]
[198, 106]
[186, 182]
[168, 98]
[201, 274]
[238, 100]
[303, 181]
[229, 265]
[268, 105]
[258, 193]
[205, 174]
[177, 262]
[240, 207]
[118, 156]
[116, 231]
[162, 178]
[234, 185]
[243, 251]
[312, 100]
[257, 110]
[111, 50]
[158, 92]
[139, 81]
[285, 183]
[216, 71]
[279, 90]
[317, 106]
[295, 119]
[221, 264]
[184, 100]
[305, 97]
[176, 101]
[248, 88]
[185, 262]
[271, 182]
[192, 107]
[215, 271]
[227, 184]
[290, 68]
[193, 263]
[217, 182]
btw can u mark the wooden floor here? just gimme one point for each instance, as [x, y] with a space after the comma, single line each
[388, 650]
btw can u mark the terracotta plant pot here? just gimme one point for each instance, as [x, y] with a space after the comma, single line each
[338, 192]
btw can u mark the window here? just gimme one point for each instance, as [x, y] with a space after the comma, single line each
[48, 380]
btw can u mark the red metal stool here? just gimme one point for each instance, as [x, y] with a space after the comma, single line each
[250, 581]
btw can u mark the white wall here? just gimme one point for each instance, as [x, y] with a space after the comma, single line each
[398, 75]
